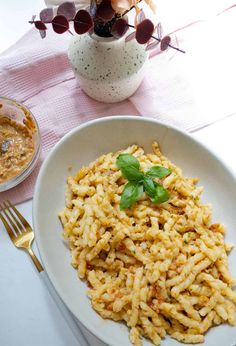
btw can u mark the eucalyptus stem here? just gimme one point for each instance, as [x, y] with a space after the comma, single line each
[159, 40]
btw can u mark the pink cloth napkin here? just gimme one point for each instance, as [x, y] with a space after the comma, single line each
[188, 90]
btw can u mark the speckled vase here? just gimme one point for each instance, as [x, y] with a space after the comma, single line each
[109, 70]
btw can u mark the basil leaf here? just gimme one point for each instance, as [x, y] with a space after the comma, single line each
[158, 172]
[162, 195]
[140, 190]
[132, 174]
[124, 160]
[149, 186]
[129, 167]
[129, 195]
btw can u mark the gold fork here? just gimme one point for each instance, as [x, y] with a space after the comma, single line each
[19, 230]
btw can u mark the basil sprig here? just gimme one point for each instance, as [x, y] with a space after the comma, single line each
[140, 182]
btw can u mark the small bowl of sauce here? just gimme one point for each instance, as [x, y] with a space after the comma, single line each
[19, 143]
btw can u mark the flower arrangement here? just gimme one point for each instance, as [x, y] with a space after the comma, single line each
[105, 18]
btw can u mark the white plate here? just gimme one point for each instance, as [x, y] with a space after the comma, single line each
[83, 145]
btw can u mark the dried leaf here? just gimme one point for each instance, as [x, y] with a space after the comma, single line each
[152, 45]
[130, 36]
[42, 33]
[119, 28]
[67, 9]
[40, 25]
[60, 24]
[140, 17]
[82, 22]
[144, 31]
[159, 30]
[93, 8]
[105, 11]
[46, 15]
[165, 42]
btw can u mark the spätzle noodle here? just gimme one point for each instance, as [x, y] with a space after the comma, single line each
[162, 269]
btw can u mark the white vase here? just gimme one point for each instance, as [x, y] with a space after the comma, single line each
[108, 69]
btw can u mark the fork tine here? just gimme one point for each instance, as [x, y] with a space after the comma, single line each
[22, 219]
[10, 220]
[12, 215]
[6, 224]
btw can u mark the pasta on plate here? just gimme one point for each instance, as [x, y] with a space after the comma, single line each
[162, 269]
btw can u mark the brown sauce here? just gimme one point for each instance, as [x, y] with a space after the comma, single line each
[16, 148]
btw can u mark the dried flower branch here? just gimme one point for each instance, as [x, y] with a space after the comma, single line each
[105, 18]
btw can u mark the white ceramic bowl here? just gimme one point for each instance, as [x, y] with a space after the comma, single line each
[83, 145]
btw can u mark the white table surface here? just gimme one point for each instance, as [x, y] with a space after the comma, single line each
[28, 314]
